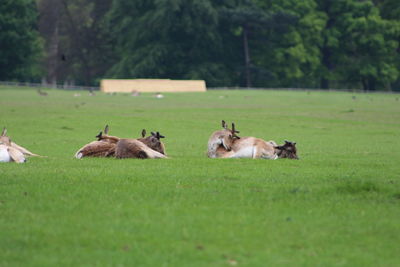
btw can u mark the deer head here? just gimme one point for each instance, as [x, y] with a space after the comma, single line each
[4, 138]
[229, 136]
[288, 150]
[153, 141]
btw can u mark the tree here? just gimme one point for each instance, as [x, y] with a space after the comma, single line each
[253, 23]
[390, 10]
[77, 42]
[167, 39]
[292, 54]
[358, 47]
[20, 45]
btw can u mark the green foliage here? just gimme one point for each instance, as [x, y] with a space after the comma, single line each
[294, 56]
[167, 39]
[285, 43]
[20, 45]
[78, 45]
[390, 10]
[337, 205]
[359, 46]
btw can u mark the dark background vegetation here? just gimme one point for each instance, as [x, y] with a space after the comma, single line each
[251, 43]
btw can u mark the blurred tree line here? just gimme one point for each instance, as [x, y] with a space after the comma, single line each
[253, 43]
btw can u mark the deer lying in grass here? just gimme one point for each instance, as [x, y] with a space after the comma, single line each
[146, 147]
[108, 146]
[226, 144]
[99, 148]
[10, 151]
[222, 138]
[251, 147]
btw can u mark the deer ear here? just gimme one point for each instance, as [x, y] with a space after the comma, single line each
[223, 124]
[106, 129]
[143, 132]
[4, 132]
[99, 135]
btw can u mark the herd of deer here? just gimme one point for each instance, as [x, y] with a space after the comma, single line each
[224, 143]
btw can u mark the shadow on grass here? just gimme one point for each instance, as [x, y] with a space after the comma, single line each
[358, 187]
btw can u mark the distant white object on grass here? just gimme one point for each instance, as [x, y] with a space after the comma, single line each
[77, 94]
[159, 95]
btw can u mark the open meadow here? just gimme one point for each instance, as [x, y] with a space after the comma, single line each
[339, 205]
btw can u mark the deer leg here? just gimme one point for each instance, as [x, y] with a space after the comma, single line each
[269, 155]
[255, 154]
[22, 149]
[16, 155]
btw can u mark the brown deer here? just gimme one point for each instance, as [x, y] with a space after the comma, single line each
[41, 93]
[134, 148]
[153, 141]
[222, 138]
[100, 148]
[10, 151]
[107, 146]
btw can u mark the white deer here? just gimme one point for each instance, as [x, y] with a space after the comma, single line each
[226, 144]
[10, 151]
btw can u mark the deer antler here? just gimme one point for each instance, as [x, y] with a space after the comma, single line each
[234, 131]
[99, 136]
[159, 136]
[233, 128]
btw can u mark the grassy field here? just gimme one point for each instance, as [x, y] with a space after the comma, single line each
[339, 205]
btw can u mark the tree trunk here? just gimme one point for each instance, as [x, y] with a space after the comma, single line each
[246, 56]
[326, 55]
[53, 62]
[79, 43]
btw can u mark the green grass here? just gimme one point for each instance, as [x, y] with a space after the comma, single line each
[339, 205]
